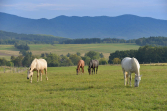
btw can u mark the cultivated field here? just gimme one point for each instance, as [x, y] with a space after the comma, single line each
[67, 91]
[7, 51]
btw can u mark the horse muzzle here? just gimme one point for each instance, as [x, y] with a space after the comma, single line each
[27, 77]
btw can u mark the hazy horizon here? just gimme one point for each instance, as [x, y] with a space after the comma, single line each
[37, 9]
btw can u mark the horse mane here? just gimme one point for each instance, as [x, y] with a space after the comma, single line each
[33, 62]
[135, 65]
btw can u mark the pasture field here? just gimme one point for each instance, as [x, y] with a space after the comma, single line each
[7, 51]
[66, 91]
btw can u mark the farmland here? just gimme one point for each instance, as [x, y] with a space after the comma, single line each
[8, 50]
[67, 91]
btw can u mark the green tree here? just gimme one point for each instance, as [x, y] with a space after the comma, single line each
[86, 59]
[101, 55]
[93, 55]
[18, 61]
[65, 61]
[53, 60]
[116, 61]
[68, 55]
[27, 60]
[102, 61]
[78, 54]
[74, 58]
[12, 58]
[3, 62]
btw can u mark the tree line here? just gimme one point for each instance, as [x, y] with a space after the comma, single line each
[12, 38]
[96, 40]
[145, 54]
[21, 46]
[154, 41]
[54, 60]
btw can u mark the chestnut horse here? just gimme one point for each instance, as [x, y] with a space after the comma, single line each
[81, 64]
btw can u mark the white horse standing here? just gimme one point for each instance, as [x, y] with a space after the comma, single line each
[131, 65]
[37, 65]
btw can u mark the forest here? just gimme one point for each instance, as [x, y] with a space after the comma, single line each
[12, 38]
[145, 54]
[154, 41]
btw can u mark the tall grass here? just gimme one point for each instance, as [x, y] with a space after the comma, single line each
[67, 91]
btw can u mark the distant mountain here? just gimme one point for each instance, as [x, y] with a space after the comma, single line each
[124, 26]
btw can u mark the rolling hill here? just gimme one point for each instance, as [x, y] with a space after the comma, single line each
[124, 26]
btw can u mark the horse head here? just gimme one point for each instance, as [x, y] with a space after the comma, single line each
[137, 80]
[29, 73]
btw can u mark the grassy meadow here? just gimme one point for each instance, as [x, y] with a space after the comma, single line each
[66, 91]
[7, 50]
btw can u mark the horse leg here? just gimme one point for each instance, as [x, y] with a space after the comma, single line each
[37, 75]
[96, 70]
[130, 78]
[46, 74]
[83, 69]
[92, 71]
[41, 74]
[31, 79]
[127, 77]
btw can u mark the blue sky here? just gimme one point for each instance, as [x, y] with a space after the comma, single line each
[49, 9]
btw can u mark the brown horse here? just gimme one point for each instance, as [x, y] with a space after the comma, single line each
[81, 64]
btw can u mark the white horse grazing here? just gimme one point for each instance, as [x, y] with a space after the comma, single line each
[37, 65]
[131, 65]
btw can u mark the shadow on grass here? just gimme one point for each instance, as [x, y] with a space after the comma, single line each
[89, 88]
[76, 89]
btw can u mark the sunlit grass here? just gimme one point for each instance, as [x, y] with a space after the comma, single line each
[67, 91]
[59, 49]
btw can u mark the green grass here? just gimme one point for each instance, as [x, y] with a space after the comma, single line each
[67, 91]
[8, 47]
[59, 49]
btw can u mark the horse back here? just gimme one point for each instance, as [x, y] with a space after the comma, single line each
[41, 64]
[130, 64]
[126, 64]
[81, 63]
[93, 63]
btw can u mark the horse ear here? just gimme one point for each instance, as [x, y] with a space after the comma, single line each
[30, 68]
